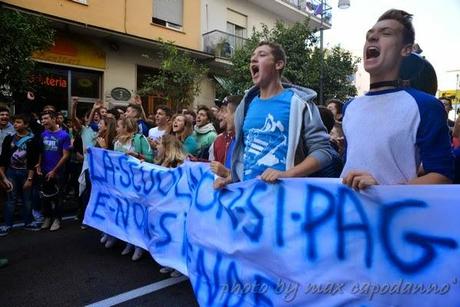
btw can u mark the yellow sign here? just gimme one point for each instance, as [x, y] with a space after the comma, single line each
[452, 94]
[73, 51]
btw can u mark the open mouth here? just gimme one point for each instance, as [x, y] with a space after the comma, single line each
[372, 52]
[254, 69]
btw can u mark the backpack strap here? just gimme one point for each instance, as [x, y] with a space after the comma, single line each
[23, 140]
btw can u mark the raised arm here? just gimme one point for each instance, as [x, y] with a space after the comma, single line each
[138, 101]
[73, 113]
[96, 106]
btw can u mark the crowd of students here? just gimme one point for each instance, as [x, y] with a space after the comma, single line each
[391, 135]
[43, 156]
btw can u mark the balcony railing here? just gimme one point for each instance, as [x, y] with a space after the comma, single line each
[310, 6]
[222, 44]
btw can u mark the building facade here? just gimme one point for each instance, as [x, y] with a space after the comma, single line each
[226, 24]
[104, 49]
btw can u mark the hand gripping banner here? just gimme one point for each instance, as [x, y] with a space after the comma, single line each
[297, 242]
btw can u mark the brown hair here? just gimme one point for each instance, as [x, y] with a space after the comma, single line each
[403, 18]
[188, 127]
[277, 51]
[137, 108]
[23, 116]
[49, 107]
[165, 109]
[4, 108]
[209, 113]
[110, 133]
[52, 114]
[338, 104]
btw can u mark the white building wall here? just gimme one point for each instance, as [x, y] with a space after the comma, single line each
[121, 68]
[214, 15]
[121, 71]
[207, 94]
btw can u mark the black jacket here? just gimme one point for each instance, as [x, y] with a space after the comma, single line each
[32, 148]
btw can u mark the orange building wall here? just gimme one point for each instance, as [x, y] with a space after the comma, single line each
[110, 14]
[139, 23]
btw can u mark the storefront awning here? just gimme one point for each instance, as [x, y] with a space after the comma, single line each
[75, 51]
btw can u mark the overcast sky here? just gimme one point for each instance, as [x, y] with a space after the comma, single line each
[437, 30]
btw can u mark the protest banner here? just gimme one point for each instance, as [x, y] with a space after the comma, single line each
[297, 242]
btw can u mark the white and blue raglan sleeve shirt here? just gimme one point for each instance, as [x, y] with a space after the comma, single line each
[390, 133]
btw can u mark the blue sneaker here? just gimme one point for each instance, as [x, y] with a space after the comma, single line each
[32, 227]
[38, 217]
[4, 230]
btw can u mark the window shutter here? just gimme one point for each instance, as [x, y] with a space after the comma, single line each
[168, 10]
[237, 18]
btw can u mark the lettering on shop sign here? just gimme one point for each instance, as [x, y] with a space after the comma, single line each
[50, 81]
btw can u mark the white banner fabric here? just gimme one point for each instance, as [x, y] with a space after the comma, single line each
[297, 242]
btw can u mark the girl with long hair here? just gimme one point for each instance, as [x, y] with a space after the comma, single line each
[107, 133]
[131, 142]
[182, 128]
[170, 154]
[136, 145]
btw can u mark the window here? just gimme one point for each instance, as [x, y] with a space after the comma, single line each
[236, 30]
[55, 85]
[168, 13]
[237, 23]
[237, 38]
[236, 27]
[51, 84]
[85, 83]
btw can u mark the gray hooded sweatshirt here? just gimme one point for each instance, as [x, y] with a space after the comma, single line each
[307, 134]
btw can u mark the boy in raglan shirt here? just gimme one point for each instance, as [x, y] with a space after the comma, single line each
[394, 135]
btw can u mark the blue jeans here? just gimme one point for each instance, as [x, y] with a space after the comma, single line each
[18, 177]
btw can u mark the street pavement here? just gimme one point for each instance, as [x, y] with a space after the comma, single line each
[70, 267]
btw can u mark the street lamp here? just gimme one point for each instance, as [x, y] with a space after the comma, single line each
[343, 4]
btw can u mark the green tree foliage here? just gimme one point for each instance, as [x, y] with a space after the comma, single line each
[303, 62]
[178, 80]
[20, 36]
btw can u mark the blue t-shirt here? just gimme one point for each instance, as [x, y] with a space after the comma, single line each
[229, 154]
[266, 129]
[53, 145]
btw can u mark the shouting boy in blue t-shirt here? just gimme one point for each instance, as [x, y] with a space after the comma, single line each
[279, 132]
